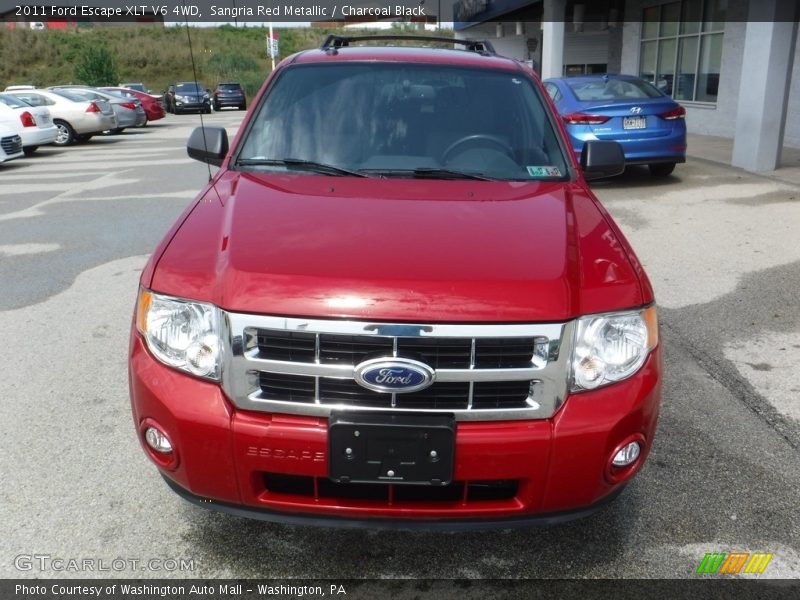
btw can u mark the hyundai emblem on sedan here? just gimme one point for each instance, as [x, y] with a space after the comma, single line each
[636, 109]
[398, 375]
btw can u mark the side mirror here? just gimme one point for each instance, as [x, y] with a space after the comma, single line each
[602, 159]
[208, 145]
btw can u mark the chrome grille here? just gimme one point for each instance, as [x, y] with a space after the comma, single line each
[482, 371]
[11, 144]
[439, 353]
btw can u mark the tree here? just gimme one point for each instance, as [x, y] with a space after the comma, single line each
[95, 65]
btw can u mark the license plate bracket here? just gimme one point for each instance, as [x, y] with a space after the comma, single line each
[396, 449]
[634, 123]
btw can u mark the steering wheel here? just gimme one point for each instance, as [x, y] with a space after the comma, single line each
[479, 139]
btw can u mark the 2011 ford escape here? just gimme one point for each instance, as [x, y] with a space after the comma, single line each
[397, 303]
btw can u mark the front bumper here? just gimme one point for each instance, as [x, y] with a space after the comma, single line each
[181, 105]
[225, 458]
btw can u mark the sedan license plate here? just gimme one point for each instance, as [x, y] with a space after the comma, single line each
[634, 122]
[399, 449]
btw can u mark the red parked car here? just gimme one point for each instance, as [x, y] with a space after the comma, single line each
[151, 104]
[397, 303]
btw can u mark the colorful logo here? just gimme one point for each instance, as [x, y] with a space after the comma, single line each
[732, 563]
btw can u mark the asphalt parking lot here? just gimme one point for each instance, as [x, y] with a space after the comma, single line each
[76, 225]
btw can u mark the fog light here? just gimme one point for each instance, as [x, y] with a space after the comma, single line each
[627, 455]
[157, 440]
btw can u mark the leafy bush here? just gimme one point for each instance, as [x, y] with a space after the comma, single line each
[95, 65]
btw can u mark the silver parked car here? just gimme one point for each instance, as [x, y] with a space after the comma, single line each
[76, 117]
[129, 111]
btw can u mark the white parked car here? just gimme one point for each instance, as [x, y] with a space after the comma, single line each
[76, 117]
[10, 144]
[33, 123]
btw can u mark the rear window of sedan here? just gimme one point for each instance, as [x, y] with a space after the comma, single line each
[613, 89]
[13, 102]
[74, 96]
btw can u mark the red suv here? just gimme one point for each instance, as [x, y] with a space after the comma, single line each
[397, 303]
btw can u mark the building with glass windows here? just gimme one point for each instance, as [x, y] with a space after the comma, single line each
[733, 64]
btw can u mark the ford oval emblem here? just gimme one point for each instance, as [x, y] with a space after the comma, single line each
[394, 375]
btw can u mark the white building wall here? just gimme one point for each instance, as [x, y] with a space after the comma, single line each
[513, 46]
[791, 134]
[585, 47]
[715, 119]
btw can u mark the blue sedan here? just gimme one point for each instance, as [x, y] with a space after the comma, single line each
[649, 124]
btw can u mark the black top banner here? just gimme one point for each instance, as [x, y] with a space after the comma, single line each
[459, 12]
[227, 11]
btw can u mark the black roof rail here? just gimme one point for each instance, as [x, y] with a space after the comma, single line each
[333, 42]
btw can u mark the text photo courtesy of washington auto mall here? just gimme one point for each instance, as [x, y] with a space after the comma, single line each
[408, 299]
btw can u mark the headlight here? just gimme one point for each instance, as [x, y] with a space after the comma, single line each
[612, 347]
[180, 333]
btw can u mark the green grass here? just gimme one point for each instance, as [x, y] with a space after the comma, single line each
[153, 55]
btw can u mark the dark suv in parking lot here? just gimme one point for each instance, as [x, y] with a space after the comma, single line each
[229, 94]
[187, 95]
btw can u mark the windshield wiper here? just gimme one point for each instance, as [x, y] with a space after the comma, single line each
[300, 164]
[432, 173]
[435, 173]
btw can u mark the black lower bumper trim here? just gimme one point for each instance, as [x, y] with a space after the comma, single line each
[444, 524]
[655, 160]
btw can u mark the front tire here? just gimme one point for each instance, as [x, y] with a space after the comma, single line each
[661, 169]
[243, 106]
[30, 150]
[66, 134]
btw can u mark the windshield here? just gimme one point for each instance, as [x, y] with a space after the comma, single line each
[189, 87]
[404, 120]
[613, 89]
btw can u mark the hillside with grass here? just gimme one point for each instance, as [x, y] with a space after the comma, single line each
[155, 56]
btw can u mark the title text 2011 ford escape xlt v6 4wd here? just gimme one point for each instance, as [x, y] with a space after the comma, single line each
[397, 303]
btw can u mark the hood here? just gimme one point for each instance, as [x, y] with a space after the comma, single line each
[398, 249]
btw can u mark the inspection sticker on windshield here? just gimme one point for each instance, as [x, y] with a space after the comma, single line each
[544, 171]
